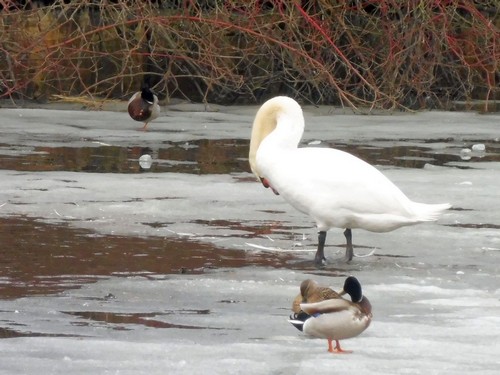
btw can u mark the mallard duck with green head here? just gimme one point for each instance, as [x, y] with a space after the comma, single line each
[336, 318]
[143, 106]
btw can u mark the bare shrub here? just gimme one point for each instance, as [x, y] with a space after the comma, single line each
[378, 53]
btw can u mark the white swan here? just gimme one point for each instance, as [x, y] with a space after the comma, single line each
[337, 189]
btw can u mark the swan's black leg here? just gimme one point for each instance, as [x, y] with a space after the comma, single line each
[349, 251]
[319, 258]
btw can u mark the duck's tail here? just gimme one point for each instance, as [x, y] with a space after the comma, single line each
[298, 320]
[429, 212]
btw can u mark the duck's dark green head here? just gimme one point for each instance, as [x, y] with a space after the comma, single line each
[353, 287]
[147, 95]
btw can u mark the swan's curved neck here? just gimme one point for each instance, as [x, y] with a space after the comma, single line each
[280, 122]
[264, 123]
[288, 131]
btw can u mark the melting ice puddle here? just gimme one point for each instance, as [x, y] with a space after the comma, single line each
[61, 257]
[249, 230]
[8, 333]
[204, 156]
[475, 226]
[220, 156]
[112, 320]
[121, 321]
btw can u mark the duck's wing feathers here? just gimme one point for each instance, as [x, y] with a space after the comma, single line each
[296, 303]
[325, 293]
[326, 306]
[318, 294]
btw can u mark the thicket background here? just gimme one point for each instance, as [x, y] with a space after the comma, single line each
[376, 53]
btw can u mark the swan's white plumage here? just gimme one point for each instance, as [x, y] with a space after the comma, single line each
[335, 188]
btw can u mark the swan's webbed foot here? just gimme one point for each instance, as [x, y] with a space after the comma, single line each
[319, 261]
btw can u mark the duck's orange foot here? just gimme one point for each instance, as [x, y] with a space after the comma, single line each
[337, 349]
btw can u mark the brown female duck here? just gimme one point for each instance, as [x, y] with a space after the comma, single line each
[310, 292]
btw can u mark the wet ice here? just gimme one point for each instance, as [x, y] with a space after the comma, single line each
[434, 287]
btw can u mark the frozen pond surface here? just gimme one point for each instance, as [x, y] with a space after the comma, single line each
[190, 266]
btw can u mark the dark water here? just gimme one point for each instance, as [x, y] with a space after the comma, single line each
[122, 321]
[39, 258]
[214, 156]
[200, 157]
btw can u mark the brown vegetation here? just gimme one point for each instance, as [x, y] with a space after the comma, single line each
[376, 53]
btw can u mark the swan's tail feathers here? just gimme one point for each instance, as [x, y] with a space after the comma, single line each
[429, 212]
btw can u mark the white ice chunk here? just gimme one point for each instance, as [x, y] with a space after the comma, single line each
[145, 161]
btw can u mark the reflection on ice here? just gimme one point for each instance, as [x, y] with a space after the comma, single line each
[121, 321]
[40, 259]
[221, 156]
[204, 156]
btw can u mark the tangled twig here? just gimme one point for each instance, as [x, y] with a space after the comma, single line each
[375, 53]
